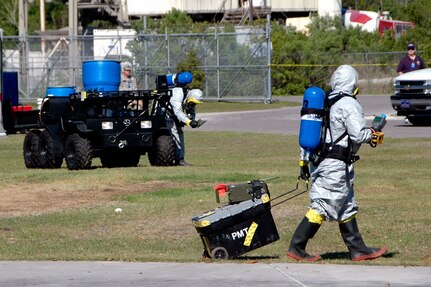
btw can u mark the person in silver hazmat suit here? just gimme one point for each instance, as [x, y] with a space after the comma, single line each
[332, 196]
[183, 102]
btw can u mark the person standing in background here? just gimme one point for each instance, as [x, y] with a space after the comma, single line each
[128, 82]
[410, 62]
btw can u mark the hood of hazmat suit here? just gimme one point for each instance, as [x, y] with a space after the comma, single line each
[344, 80]
[194, 96]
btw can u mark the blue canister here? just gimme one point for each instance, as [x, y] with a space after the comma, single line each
[59, 91]
[180, 79]
[101, 75]
[312, 113]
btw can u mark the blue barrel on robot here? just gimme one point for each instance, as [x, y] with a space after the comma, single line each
[180, 79]
[59, 91]
[312, 114]
[101, 75]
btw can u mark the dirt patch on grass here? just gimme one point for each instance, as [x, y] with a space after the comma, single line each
[34, 199]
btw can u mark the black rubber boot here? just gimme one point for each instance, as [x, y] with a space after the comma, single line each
[305, 231]
[354, 242]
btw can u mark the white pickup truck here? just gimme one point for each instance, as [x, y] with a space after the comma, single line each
[412, 97]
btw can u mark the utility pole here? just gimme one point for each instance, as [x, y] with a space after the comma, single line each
[73, 38]
[123, 16]
[23, 25]
[250, 11]
[42, 26]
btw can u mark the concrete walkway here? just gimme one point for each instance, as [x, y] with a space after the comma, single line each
[80, 274]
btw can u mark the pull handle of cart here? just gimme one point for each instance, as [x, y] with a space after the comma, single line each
[290, 192]
[253, 189]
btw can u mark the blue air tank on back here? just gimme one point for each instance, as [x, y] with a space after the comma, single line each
[312, 113]
[180, 79]
[173, 80]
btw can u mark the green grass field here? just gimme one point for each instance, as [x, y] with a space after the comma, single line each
[69, 215]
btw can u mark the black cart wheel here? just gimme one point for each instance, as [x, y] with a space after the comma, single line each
[163, 154]
[79, 152]
[31, 149]
[47, 158]
[219, 253]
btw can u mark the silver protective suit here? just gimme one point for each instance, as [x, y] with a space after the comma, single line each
[332, 192]
[177, 102]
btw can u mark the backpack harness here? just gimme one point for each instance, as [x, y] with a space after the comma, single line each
[332, 149]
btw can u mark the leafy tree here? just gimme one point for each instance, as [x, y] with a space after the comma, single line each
[175, 21]
[33, 17]
[191, 63]
[286, 47]
[360, 4]
[57, 15]
[9, 17]
[55, 11]
[324, 46]
[101, 24]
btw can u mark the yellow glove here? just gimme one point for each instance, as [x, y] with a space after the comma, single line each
[376, 138]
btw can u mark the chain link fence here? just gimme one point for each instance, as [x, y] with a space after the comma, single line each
[376, 70]
[237, 65]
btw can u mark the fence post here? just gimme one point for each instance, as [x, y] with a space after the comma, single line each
[368, 72]
[73, 45]
[268, 46]
[218, 63]
[2, 131]
[168, 50]
[145, 54]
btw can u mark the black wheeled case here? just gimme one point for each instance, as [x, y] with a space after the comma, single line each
[232, 230]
